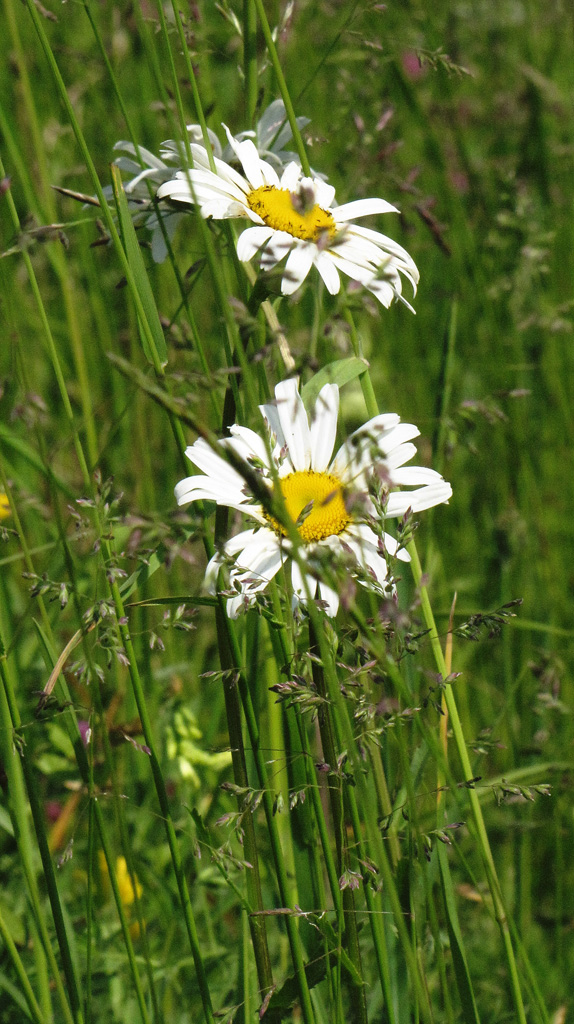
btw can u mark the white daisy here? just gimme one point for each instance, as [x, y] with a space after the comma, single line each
[295, 217]
[317, 491]
[271, 133]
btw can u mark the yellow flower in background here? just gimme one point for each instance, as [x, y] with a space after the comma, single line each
[4, 506]
[128, 889]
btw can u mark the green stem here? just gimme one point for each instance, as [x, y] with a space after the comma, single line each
[250, 60]
[272, 49]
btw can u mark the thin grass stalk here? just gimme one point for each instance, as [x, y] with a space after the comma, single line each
[482, 836]
[345, 740]
[250, 60]
[284, 888]
[48, 867]
[106, 552]
[421, 858]
[217, 268]
[339, 807]
[481, 833]
[89, 910]
[180, 282]
[240, 777]
[18, 966]
[159, 783]
[106, 212]
[106, 847]
[283, 89]
[18, 811]
[134, 674]
[85, 768]
[55, 253]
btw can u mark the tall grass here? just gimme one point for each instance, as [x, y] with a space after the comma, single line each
[184, 833]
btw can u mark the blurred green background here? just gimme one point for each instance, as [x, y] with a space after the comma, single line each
[460, 114]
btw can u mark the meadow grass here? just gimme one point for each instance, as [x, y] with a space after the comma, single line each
[358, 819]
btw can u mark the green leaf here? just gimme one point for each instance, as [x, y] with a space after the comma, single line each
[288, 994]
[151, 332]
[340, 372]
[14, 993]
[5, 821]
[142, 574]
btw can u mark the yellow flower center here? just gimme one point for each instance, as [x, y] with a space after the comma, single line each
[4, 505]
[287, 211]
[316, 505]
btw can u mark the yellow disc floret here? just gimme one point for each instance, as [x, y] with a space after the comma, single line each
[287, 211]
[316, 505]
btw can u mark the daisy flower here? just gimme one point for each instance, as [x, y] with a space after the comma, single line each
[327, 498]
[4, 506]
[296, 218]
[146, 169]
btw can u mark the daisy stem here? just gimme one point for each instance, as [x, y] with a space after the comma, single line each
[365, 378]
[272, 50]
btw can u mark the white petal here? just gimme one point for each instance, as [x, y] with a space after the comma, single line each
[290, 177]
[299, 263]
[424, 497]
[324, 194]
[216, 466]
[253, 444]
[271, 416]
[396, 438]
[248, 156]
[394, 550]
[399, 455]
[249, 243]
[361, 208]
[388, 245]
[386, 293]
[298, 582]
[294, 423]
[202, 488]
[324, 427]
[328, 272]
[365, 542]
[410, 476]
[331, 599]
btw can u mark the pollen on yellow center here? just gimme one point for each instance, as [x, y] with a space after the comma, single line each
[283, 211]
[316, 504]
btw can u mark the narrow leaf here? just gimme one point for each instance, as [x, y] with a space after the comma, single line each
[340, 372]
[153, 339]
